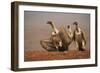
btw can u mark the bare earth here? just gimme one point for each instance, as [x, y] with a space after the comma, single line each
[42, 55]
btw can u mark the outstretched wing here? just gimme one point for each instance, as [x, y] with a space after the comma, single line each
[64, 35]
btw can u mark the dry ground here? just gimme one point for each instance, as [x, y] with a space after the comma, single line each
[43, 55]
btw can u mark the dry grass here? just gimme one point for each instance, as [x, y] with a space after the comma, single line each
[42, 55]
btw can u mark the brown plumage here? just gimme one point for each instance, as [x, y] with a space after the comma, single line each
[59, 40]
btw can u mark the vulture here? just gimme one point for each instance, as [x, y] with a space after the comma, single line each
[59, 39]
[79, 37]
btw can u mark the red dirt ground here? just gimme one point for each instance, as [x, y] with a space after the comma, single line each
[42, 55]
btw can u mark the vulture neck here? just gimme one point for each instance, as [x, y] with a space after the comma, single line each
[54, 28]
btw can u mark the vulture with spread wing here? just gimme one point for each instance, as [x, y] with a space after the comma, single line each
[59, 40]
